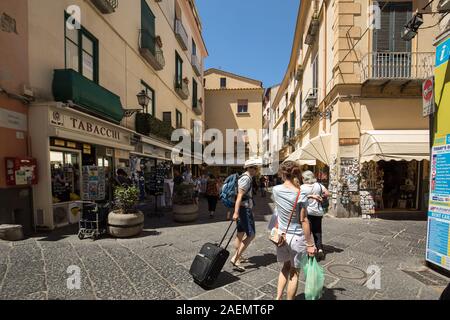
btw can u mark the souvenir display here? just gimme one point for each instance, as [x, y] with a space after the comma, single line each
[93, 181]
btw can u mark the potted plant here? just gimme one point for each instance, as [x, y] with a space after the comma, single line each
[125, 221]
[184, 208]
[186, 80]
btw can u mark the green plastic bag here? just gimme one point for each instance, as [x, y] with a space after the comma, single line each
[314, 278]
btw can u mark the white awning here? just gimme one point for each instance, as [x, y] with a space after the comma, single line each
[318, 148]
[395, 145]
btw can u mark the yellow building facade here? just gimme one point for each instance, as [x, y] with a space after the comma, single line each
[350, 106]
[233, 102]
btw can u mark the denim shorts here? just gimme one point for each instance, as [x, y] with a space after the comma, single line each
[246, 222]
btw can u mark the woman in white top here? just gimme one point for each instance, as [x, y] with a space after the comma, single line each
[299, 240]
[314, 207]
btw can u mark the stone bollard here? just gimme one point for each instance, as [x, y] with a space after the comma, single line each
[11, 232]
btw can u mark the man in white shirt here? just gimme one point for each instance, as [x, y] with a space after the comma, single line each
[243, 214]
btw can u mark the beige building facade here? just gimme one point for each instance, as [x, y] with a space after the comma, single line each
[89, 60]
[234, 102]
[350, 107]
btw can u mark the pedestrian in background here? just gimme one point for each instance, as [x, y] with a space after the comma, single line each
[212, 194]
[293, 222]
[316, 192]
[197, 189]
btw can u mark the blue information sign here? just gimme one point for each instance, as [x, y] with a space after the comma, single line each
[443, 52]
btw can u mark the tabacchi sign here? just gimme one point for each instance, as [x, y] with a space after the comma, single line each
[84, 125]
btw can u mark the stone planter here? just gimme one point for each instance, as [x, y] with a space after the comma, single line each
[11, 232]
[185, 212]
[125, 225]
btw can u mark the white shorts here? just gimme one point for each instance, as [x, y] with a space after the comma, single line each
[293, 250]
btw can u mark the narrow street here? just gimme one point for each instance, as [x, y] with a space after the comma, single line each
[155, 265]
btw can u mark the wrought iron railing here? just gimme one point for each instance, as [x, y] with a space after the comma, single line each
[149, 43]
[397, 65]
[197, 66]
[106, 6]
[181, 33]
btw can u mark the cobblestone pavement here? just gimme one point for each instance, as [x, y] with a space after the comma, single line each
[155, 265]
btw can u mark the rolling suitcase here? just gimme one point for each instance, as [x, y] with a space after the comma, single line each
[209, 261]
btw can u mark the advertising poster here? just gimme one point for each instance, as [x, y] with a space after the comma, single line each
[438, 235]
[437, 250]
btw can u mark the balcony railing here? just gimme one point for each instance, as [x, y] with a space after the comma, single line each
[147, 124]
[181, 34]
[151, 50]
[106, 6]
[182, 89]
[196, 65]
[397, 65]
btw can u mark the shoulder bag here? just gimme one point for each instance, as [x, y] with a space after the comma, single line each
[278, 237]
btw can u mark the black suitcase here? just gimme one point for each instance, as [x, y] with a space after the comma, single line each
[208, 263]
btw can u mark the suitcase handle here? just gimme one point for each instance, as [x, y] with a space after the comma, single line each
[226, 232]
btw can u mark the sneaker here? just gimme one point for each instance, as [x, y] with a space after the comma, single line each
[320, 255]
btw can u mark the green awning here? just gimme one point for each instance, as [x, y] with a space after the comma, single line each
[69, 85]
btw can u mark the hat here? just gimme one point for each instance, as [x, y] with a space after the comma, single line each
[308, 177]
[253, 163]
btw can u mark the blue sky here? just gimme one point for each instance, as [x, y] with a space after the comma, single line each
[252, 38]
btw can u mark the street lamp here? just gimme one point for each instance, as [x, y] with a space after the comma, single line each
[413, 25]
[143, 100]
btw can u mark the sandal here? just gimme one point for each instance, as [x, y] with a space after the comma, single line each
[237, 266]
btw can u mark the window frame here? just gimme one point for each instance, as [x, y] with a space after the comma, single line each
[147, 89]
[178, 71]
[178, 115]
[170, 117]
[240, 104]
[194, 93]
[95, 50]
[224, 79]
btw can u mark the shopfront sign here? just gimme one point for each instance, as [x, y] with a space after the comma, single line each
[428, 97]
[85, 125]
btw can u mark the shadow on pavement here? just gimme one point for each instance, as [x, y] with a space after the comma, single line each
[328, 294]
[261, 261]
[402, 215]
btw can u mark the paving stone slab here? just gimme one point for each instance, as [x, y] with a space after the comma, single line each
[243, 291]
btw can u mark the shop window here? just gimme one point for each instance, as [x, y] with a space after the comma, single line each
[65, 174]
[81, 52]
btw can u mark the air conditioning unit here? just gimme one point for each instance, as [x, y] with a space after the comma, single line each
[60, 215]
[443, 6]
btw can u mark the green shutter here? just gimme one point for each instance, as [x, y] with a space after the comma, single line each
[148, 26]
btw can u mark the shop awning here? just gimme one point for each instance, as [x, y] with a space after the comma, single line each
[395, 145]
[317, 148]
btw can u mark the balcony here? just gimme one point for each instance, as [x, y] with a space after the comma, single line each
[381, 68]
[150, 48]
[148, 125]
[106, 6]
[198, 108]
[69, 85]
[181, 34]
[196, 65]
[182, 89]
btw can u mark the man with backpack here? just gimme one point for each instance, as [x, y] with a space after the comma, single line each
[243, 213]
